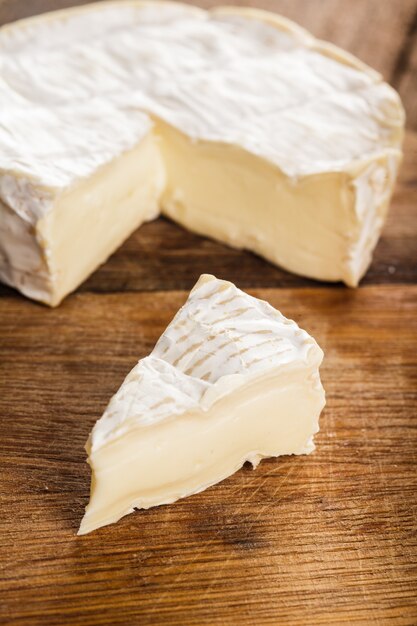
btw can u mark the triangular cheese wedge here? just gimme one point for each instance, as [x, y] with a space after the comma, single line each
[230, 380]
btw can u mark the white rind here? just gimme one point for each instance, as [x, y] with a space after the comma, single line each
[373, 187]
[23, 263]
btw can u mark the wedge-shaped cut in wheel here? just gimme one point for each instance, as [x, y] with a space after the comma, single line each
[230, 380]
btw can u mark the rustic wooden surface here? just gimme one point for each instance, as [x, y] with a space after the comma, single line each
[325, 539]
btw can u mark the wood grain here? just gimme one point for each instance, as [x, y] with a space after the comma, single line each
[326, 539]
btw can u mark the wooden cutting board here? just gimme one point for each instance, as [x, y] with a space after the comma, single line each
[330, 538]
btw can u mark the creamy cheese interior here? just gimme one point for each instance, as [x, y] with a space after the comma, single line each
[310, 228]
[90, 222]
[148, 466]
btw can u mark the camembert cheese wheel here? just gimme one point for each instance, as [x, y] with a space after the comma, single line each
[235, 123]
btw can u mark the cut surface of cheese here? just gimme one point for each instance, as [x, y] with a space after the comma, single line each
[236, 123]
[230, 380]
